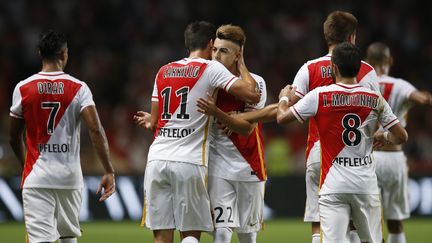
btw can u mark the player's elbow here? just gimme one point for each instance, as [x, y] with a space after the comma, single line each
[280, 118]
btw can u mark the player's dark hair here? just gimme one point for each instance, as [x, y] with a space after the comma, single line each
[347, 58]
[51, 44]
[377, 53]
[339, 26]
[198, 34]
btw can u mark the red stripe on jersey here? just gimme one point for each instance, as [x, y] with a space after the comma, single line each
[251, 146]
[229, 83]
[319, 75]
[37, 118]
[166, 81]
[386, 89]
[365, 68]
[329, 119]
[389, 123]
[298, 115]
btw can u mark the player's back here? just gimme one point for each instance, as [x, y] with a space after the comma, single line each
[396, 92]
[346, 116]
[50, 103]
[317, 73]
[238, 157]
[182, 131]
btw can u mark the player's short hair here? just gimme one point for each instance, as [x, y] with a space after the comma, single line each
[347, 58]
[198, 34]
[232, 33]
[51, 44]
[377, 53]
[339, 26]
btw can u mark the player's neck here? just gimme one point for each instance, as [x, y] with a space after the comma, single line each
[348, 81]
[234, 70]
[199, 54]
[54, 66]
[381, 70]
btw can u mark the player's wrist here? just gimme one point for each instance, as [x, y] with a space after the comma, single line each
[386, 136]
[284, 99]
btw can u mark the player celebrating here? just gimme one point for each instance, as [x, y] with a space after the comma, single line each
[392, 169]
[346, 115]
[48, 106]
[175, 191]
[236, 170]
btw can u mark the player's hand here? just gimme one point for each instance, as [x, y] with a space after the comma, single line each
[143, 119]
[379, 140]
[224, 128]
[288, 91]
[107, 186]
[240, 61]
[207, 106]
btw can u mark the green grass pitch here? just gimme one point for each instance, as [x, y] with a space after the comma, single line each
[283, 230]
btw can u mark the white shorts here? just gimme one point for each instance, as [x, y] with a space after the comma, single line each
[175, 197]
[51, 213]
[392, 175]
[237, 204]
[336, 210]
[312, 188]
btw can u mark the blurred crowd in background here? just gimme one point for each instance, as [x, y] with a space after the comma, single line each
[117, 46]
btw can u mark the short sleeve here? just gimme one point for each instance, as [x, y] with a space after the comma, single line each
[219, 76]
[262, 89]
[86, 97]
[306, 107]
[301, 81]
[386, 116]
[155, 97]
[405, 88]
[16, 108]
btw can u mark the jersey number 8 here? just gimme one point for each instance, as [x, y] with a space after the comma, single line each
[351, 136]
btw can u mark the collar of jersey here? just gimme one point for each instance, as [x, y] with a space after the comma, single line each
[51, 73]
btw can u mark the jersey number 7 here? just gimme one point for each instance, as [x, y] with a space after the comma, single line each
[54, 107]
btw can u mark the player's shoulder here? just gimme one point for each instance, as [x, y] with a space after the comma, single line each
[366, 66]
[319, 60]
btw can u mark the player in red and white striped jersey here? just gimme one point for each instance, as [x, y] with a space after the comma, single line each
[392, 168]
[49, 106]
[174, 183]
[346, 115]
[236, 169]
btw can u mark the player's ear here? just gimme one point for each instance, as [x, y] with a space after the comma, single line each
[352, 38]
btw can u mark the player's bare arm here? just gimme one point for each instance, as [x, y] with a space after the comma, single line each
[16, 139]
[100, 143]
[421, 97]
[245, 88]
[266, 114]
[284, 114]
[395, 135]
[237, 125]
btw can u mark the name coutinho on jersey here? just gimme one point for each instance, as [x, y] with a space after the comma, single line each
[351, 100]
[54, 148]
[188, 71]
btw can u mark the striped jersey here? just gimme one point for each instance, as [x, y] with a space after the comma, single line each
[397, 92]
[50, 104]
[346, 118]
[317, 73]
[237, 157]
[182, 132]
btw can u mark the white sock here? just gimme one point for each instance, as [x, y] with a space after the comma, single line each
[190, 239]
[222, 235]
[68, 240]
[354, 237]
[396, 238]
[316, 238]
[247, 237]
